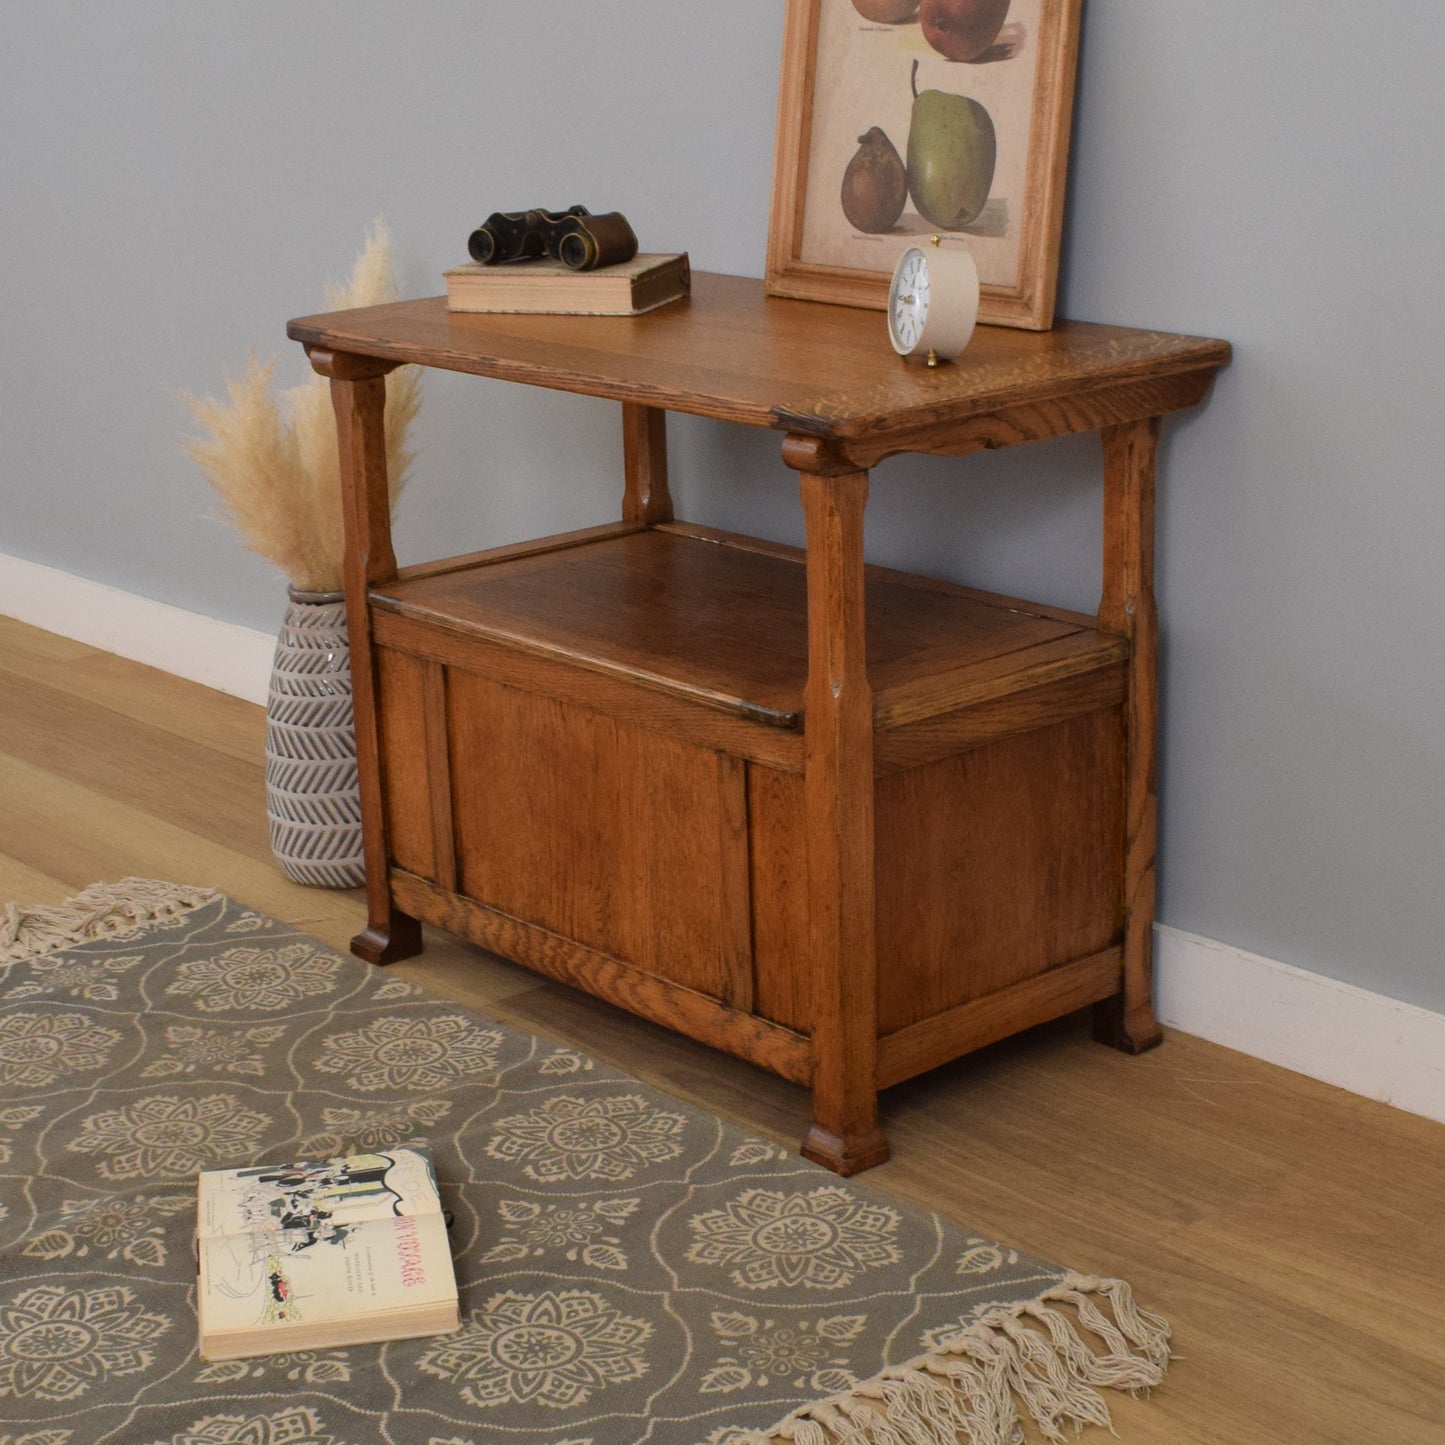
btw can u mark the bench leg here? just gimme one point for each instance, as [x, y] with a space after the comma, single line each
[1127, 1020]
[358, 396]
[838, 804]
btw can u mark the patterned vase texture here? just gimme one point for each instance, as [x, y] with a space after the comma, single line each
[313, 799]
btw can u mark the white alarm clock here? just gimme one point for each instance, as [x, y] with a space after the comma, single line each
[933, 302]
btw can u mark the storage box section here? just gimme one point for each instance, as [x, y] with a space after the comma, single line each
[592, 763]
[998, 883]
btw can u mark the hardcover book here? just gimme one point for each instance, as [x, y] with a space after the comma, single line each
[322, 1253]
[629, 288]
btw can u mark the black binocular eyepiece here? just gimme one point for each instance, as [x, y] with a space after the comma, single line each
[577, 238]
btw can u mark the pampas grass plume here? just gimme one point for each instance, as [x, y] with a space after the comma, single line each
[274, 464]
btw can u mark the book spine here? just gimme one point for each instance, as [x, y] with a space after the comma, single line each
[649, 292]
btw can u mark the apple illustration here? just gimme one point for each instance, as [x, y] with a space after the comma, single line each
[887, 12]
[961, 29]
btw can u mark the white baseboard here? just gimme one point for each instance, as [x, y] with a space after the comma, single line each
[221, 655]
[1361, 1041]
[1347, 1036]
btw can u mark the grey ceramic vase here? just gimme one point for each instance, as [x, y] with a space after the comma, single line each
[313, 799]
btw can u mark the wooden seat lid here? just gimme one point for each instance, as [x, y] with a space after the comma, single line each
[724, 624]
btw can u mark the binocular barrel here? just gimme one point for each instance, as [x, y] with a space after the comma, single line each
[580, 240]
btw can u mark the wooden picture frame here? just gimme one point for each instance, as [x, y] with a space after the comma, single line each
[845, 74]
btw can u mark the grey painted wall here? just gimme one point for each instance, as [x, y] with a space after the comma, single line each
[178, 179]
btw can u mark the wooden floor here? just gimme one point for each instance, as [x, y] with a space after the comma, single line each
[1294, 1234]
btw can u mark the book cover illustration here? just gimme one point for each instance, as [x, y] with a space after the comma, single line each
[314, 1201]
[323, 1239]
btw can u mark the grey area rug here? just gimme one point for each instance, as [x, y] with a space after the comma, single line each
[631, 1270]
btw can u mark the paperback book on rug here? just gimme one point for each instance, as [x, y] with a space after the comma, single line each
[322, 1253]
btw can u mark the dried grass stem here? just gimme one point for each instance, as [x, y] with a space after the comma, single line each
[273, 463]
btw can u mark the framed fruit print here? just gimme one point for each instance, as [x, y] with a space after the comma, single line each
[903, 119]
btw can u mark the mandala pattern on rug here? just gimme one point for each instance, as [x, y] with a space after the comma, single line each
[607, 1138]
[94, 982]
[38, 1049]
[554, 1348]
[411, 1053]
[56, 1343]
[581, 1232]
[810, 1354]
[813, 1238]
[364, 1131]
[171, 1134]
[257, 978]
[131, 1229]
[217, 1051]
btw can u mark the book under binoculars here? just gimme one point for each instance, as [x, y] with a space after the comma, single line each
[322, 1253]
[547, 286]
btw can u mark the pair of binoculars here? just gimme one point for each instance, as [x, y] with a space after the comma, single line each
[575, 237]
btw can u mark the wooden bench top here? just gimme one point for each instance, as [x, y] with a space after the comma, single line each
[731, 352]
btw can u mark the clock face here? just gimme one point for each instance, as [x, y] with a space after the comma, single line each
[933, 302]
[908, 301]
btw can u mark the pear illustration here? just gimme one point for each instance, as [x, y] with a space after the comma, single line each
[875, 185]
[952, 147]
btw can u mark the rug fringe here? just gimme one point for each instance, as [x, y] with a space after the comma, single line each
[104, 910]
[1024, 1360]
